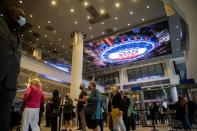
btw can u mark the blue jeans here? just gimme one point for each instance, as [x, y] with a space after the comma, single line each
[186, 123]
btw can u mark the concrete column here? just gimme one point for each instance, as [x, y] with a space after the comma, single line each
[143, 115]
[77, 64]
[121, 78]
[174, 94]
[37, 53]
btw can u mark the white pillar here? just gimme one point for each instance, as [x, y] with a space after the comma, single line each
[174, 94]
[77, 64]
[121, 78]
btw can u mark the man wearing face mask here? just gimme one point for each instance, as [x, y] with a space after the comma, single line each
[10, 55]
[80, 107]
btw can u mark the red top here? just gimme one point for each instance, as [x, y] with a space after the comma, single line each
[33, 96]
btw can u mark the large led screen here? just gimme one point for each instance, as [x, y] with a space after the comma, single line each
[137, 44]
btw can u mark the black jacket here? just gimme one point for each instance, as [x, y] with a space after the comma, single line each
[10, 54]
[116, 101]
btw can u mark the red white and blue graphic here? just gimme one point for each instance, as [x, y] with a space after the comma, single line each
[137, 44]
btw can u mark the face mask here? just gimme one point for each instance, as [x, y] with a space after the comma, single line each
[21, 21]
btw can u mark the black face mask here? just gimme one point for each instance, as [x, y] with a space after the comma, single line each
[67, 97]
[81, 88]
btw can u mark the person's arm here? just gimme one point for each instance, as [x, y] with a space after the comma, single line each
[27, 92]
[43, 99]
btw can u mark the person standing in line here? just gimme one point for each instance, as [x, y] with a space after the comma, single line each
[80, 107]
[94, 120]
[117, 110]
[131, 113]
[10, 56]
[48, 114]
[32, 98]
[126, 103]
[68, 112]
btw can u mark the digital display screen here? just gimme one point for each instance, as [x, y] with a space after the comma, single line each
[60, 66]
[137, 44]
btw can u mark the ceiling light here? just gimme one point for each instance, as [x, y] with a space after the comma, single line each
[128, 24]
[103, 32]
[63, 46]
[134, 0]
[102, 23]
[43, 46]
[177, 26]
[49, 22]
[1, 15]
[22, 35]
[59, 39]
[88, 17]
[30, 31]
[20, 1]
[131, 12]
[37, 39]
[72, 10]
[102, 11]
[54, 31]
[30, 42]
[92, 36]
[177, 38]
[51, 43]
[48, 51]
[90, 27]
[45, 35]
[115, 28]
[53, 2]
[31, 16]
[55, 49]
[86, 3]
[143, 19]
[117, 5]
[76, 22]
[147, 6]
[39, 27]
[116, 18]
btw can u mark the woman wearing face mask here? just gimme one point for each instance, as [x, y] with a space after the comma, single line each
[116, 109]
[94, 120]
[32, 99]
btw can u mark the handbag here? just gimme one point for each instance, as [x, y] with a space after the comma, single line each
[90, 108]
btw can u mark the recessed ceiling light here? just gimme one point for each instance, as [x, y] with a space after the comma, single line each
[37, 39]
[51, 43]
[43, 46]
[177, 38]
[103, 32]
[53, 2]
[39, 27]
[54, 31]
[134, 0]
[90, 27]
[128, 24]
[30, 31]
[30, 42]
[131, 12]
[59, 39]
[102, 11]
[63, 46]
[31, 16]
[116, 18]
[20, 1]
[177, 26]
[48, 51]
[45, 35]
[117, 5]
[22, 35]
[72, 10]
[143, 19]
[49, 22]
[102, 23]
[115, 28]
[88, 17]
[147, 6]
[76, 22]
[86, 3]
[92, 36]
[1, 15]
[55, 49]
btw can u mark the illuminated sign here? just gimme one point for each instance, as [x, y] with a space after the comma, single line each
[127, 51]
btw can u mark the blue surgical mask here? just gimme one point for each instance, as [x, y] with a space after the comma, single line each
[21, 21]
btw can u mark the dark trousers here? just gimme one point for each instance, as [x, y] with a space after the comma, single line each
[48, 120]
[126, 121]
[6, 98]
[133, 122]
[79, 120]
